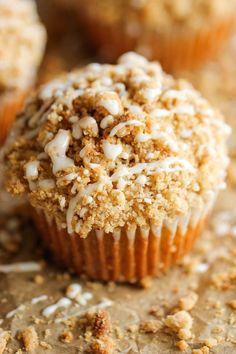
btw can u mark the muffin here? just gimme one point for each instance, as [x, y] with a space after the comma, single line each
[22, 42]
[181, 34]
[121, 165]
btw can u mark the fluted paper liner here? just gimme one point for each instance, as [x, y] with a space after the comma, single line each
[176, 49]
[10, 105]
[127, 255]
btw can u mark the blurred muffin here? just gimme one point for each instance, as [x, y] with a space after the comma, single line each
[22, 42]
[121, 164]
[180, 34]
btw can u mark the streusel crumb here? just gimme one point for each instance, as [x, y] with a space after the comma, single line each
[181, 323]
[188, 302]
[104, 345]
[203, 350]
[182, 345]
[151, 326]
[4, 338]
[100, 323]
[210, 342]
[66, 336]
[39, 279]
[232, 304]
[45, 345]
[29, 338]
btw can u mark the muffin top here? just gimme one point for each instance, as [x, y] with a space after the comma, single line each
[159, 14]
[22, 42]
[109, 146]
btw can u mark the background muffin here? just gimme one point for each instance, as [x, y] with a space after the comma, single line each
[180, 34]
[119, 163]
[22, 42]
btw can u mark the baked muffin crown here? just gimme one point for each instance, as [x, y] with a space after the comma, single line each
[22, 42]
[112, 145]
[160, 14]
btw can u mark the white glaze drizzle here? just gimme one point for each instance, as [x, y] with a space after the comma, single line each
[132, 58]
[135, 109]
[84, 298]
[202, 267]
[15, 311]
[153, 167]
[180, 95]
[32, 185]
[106, 121]
[68, 178]
[31, 169]
[142, 180]
[163, 136]
[64, 302]
[62, 202]
[111, 151]
[47, 184]
[132, 122]
[111, 105]
[151, 94]
[38, 299]
[85, 192]
[70, 213]
[224, 128]
[76, 130]
[40, 116]
[160, 113]
[186, 133]
[184, 109]
[83, 152]
[102, 305]
[20, 267]
[89, 122]
[73, 290]
[57, 149]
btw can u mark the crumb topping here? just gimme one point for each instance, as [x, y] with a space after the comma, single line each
[181, 323]
[187, 302]
[109, 146]
[66, 336]
[29, 338]
[4, 338]
[182, 345]
[104, 345]
[158, 15]
[22, 39]
[101, 323]
[152, 326]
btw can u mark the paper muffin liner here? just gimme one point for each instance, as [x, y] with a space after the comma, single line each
[176, 49]
[127, 255]
[10, 105]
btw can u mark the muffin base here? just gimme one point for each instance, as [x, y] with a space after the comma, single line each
[124, 256]
[10, 105]
[176, 50]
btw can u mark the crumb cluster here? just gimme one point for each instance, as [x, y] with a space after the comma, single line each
[4, 338]
[29, 338]
[109, 146]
